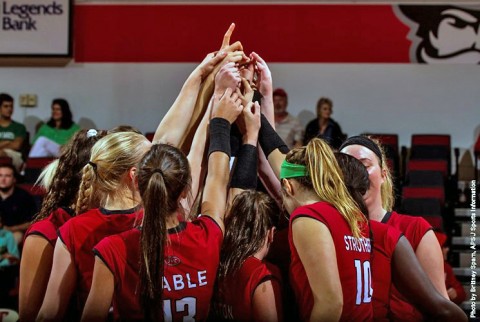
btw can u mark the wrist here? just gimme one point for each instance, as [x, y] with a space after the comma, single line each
[251, 139]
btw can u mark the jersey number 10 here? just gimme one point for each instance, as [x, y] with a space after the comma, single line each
[364, 282]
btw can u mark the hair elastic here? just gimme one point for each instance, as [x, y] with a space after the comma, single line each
[94, 165]
[158, 171]
[91, 132]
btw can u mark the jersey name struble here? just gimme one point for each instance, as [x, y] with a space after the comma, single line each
[181, 281]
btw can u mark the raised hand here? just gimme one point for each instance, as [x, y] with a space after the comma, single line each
[251, 118]
[208, 64]
[228, 107]
[264, 76]
[227, 77]
[247, 94]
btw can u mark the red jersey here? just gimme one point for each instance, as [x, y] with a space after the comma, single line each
[47, 227]
[385, 239]
[236, 301]
[83, 232]
[192, 256]
[353, 261]
[414, 228]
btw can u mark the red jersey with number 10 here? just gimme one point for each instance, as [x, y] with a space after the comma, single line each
[191, 261]
[353, 261]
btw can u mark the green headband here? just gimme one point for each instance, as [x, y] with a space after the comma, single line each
[291, 170]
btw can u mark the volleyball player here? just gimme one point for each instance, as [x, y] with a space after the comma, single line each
[57, 208]
[178, 259]
[249, 288]
[379, 201]
[393, 259]
[107, 204]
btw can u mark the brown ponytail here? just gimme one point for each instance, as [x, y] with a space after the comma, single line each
[163, 175]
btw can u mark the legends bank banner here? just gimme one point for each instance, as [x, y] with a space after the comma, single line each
[34, 27]
[293, 33]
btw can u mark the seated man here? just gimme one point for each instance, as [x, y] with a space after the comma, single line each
[12, 133]
[287, 126]
[17, 206]
[9, 257]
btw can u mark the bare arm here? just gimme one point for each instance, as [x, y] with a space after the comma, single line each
[35, 267]
[15, 144]
[316, 250]
[267, 302]
[430, 256]
[101, 293]
[410, 279]
[234, 54]
[61, 285]
[21, 227]
[197, 159]
[173, 127]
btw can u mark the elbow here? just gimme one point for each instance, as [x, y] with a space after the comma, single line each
[451, 312]
[330, 310]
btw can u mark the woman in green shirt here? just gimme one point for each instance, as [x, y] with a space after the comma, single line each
[56, 132]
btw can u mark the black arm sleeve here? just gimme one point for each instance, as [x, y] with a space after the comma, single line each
[269, 139]
[245, 174]
[219, 136]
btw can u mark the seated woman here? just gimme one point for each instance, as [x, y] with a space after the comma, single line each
[55, 133]
[324, 126]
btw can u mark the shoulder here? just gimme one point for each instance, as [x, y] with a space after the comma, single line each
[17, 124]
[316, 210]
[408, 221]
[312, 123]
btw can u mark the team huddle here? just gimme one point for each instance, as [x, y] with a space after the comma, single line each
[176, 229]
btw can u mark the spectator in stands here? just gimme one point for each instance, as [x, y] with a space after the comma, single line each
[56, 132]
[455, 290]
[12, 134]
[287, 126]
[17, 206]
[9, 256]
[324, 126]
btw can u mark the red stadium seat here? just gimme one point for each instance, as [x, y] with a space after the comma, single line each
[424, 192]
[34, 167]
[5, 160]
[431, 139]
[433, 165]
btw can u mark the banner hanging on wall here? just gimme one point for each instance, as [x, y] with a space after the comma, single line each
[35, 28]
[296, 33]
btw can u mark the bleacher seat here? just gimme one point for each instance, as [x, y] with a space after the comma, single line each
[433, 165]
[424, 192]
[431, 147]
[34, 167]
[425, 178]
[422, 207]
[5, 160]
